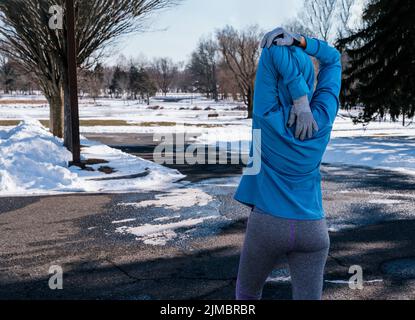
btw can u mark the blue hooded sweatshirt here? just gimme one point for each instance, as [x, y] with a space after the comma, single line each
[289, 182]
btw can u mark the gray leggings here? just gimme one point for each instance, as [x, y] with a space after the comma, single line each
[270, 239]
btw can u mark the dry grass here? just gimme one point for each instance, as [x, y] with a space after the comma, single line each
[11, 102]
[84, 123]
[116, 123]
[7, 123]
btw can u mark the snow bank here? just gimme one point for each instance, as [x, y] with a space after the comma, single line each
[32, 161]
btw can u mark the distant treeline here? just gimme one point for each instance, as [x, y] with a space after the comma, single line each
[377, 48]
[14, 80]
[139, 79]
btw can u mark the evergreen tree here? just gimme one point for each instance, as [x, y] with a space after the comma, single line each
[380, 75]
[147, 87]
[99, 73]
[134, 81]
[118, 83]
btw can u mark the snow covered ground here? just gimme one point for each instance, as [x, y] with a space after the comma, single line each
[194, 111]
[32, 161]
[397, 154]
[382, 145]
[386, 144]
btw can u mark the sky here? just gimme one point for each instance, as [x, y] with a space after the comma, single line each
[175, 32]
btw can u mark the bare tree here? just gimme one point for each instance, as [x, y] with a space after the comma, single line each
[92, 81]
[203, 68]
[25, 82]
[319, 16]
[164, 72]
[26, 36]
[345, 15]
[185, 81]
[240, 52]
[228, 87]
[296, 25]
[8, 76]
[322, 18]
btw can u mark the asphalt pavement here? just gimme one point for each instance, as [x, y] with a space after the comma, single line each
[370, 213]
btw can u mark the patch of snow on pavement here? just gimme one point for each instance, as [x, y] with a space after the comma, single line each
[377, 193]
[123, 221]
[337, 227]
[384, 201]
[283, 276]
[160, 234]
[176, 199]
[348, 282]
[280, 279]
[162, 219]
[188, 212]
[279, 276]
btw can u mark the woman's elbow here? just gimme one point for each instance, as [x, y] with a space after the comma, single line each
[336, 57]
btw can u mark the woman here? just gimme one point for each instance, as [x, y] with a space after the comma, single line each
[287, 220]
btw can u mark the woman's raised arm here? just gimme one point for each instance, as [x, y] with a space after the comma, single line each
[326, 95]
[276, 63]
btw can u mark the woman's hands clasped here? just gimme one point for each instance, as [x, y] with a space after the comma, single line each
[281, 37]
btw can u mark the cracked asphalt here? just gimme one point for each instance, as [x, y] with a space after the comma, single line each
[370, 212]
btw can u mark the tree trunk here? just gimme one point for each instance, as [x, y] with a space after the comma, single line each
[215, 85]
[67, 134]
[56, 114]
[250, 98]
[215, 95]
[54, 95]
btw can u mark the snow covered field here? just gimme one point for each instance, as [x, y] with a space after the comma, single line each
[192, 111]
[27, 147]
[197, 113]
